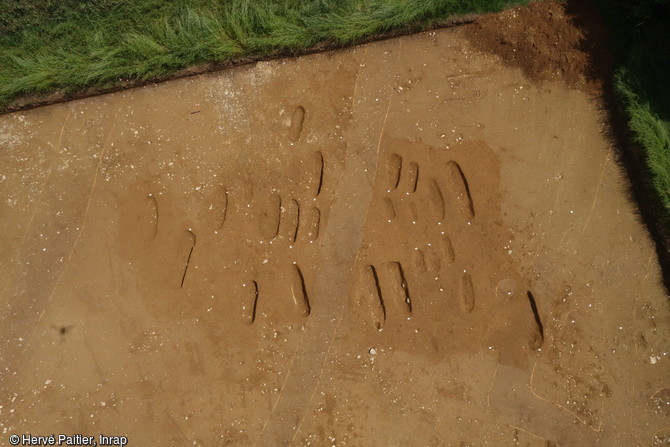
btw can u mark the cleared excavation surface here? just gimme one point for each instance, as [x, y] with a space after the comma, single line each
[411, 242]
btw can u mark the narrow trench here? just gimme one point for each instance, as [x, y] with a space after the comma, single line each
[405, 288]
[188, 259]
[536, 314]
[379, 291]
[154, 202]
[254, 304]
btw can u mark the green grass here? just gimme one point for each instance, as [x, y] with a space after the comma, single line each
[641, 39]
[651, 133]
[70, 45]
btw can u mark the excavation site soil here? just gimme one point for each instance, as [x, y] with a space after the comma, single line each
[421, 241]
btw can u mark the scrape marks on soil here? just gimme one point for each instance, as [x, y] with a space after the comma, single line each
[138, 217]
[186, 244]
[248, 296]
[398, 291]
[388, 209]
[419, 261]
[424, 242]
[537, 338]
[382, 292]
[432, 260]
[297, 121]
[446, 249]
[458, 187]
[280, 293]
[411, 178]
[314, 170]
[270, 217]
[253, 226]
[311, 223]
[368, 300]
[219, 207]
[393, 170]
[466, 294]
[436, 199]
[152, 217]
[290, 220]
[400, 175]
[298, 291]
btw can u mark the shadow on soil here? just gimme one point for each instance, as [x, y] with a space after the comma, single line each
[586, 17]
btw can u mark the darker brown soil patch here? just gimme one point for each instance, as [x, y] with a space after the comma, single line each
[545, 41]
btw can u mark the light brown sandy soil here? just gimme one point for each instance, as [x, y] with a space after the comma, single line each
[407, 243]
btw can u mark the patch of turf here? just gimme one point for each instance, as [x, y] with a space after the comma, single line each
[69, 45]
[650, 132]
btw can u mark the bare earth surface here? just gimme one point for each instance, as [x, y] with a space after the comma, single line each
[409, 243]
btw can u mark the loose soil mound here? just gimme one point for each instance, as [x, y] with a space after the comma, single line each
[547, 42]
